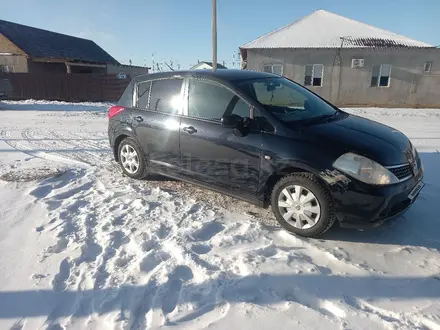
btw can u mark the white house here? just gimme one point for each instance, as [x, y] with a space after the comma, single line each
[206, 66]
[349, 62]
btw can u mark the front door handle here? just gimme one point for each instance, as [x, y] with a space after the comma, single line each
[190, 129]
[139, 119]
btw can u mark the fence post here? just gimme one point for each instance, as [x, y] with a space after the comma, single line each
[21, 88]
[101, 89]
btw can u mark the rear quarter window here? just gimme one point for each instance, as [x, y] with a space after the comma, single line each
[126, 99]
[143, 94]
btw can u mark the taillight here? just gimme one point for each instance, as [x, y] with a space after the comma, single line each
[114, 110]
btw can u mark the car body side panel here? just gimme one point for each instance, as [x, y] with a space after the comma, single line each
[119, 130]
[158, 135]
[281, 154]
[216, 156]
[119, 126]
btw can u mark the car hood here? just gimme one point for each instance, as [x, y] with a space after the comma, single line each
[350, 133]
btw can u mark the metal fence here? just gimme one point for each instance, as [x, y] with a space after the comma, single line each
[65, 87]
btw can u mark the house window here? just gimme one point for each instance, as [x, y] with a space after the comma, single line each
[274, 68]
[314, 75]
[381, 75]
[427, 67]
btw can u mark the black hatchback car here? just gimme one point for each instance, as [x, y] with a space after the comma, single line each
[267, 140]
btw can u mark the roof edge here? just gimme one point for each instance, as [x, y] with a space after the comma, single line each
[36, 28]
[115, 61]
[348, 47]
[379, 28]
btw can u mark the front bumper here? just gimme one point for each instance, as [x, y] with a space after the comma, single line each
[365, 206]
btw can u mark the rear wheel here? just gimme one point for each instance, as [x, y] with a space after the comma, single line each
[302, 205]
[132, 159]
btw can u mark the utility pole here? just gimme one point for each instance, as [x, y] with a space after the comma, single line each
[214, 35]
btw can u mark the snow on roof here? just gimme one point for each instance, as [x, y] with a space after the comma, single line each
[219, 66]
[42, 43]
[322, 29]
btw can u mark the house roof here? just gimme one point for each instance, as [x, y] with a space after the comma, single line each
[322, 29]
[219, 66]
[41, 43]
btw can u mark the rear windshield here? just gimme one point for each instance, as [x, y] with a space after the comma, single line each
[285, 99]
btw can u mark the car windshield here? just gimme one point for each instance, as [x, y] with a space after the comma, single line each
[285, 99]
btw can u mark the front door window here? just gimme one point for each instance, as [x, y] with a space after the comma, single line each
[212, 102]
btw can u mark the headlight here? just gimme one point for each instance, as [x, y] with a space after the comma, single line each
[364, 169]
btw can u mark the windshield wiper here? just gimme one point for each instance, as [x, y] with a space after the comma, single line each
[319, 118]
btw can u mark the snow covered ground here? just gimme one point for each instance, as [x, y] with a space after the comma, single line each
[81, 246]
[53, 105]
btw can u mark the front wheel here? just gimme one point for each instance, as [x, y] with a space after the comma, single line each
[302, 205]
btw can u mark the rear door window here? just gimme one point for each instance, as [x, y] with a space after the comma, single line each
[161, 95]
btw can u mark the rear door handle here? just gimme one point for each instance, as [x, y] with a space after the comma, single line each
[139, 119]
[190, 129]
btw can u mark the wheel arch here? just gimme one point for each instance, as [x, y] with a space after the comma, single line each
[275, 176]
[122, 133]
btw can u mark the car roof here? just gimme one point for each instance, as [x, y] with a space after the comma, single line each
[221, 74]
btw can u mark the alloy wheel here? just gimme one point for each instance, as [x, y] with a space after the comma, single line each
[129, 159]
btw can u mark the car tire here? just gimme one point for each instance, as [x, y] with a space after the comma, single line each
[308, 211]
[132, 159]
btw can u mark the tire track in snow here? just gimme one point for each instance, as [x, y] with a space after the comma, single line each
[49, 145]
[89, 139]
[6, 135]
[54, 143]
[92, 158]
[24, 146]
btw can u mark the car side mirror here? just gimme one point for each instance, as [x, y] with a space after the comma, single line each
[240, 126]
[231, 121]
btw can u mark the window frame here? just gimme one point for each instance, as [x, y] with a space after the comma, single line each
[136, 93]
[151, 81]
[313, 75]
[4, 68]
[380, 75]
[215, 83]
[271, 67]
